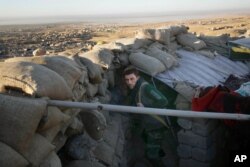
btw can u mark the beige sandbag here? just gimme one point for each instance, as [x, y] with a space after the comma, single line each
[191, 40]
[94, 123]
[167, 59]
[63, 66]
[94, 70]
[59, 141]
[163, 36]
[147, 64]
[145, 34]
[51, 133]
[19, 120]
[52, 160]
[53, 117]
[91, 89]
[10, 158]
[102, 87]
[38, 150]
[33, 79]
[75, 127]
[134, 43]
[102, 57]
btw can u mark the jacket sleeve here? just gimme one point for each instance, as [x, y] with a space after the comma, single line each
[151, 97]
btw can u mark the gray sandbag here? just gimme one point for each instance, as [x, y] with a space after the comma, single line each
[134, 43]
[123, 59]
[19, 120]
[191, 40]
[163, 36]
[63, 66]
[38, 150]
[148, 64]
[102, 57]
[59, 141]
[111, 78]
[75, 127]
[33, 79]
[92, 89]
[176, 30]
[167, 59]
[94, 123]
[104, 153]
[182, 103]
[94, 70]
[53, 117]
[52, 160]
[185, 89]
[102, 87]
[10, 157]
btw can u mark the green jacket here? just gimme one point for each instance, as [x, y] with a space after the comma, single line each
[146, 94]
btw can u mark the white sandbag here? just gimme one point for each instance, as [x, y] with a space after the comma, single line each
[191, 40]
[19, 120]
[134, 43]
[163, 36]
[114, 46]
[10, 158]
[167, 59]
[185, 89]
[52, 160]
[38, 150]
[147, 64]
[33, 79]
[102, 57]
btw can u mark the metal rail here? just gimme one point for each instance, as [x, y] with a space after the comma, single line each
[145, 110]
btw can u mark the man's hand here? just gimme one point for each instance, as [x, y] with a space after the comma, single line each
[140, 105]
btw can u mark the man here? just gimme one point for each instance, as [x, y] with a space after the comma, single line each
[140, 92]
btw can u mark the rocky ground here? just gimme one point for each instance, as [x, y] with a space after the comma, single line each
[23, 40]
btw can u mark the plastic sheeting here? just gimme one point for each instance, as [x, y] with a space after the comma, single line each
[202, 71]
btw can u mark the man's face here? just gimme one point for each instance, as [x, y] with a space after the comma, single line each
[131, 80]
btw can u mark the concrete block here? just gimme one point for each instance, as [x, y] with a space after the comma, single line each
[189, 138]
[184, 151]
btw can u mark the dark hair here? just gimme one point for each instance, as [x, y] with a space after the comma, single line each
[130, 70]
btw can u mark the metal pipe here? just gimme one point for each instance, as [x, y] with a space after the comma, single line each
[145, 110]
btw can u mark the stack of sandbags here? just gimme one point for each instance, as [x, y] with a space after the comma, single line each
[147, 64]
[20, 144]
[34, 80]
[167, 59]
[134, 43]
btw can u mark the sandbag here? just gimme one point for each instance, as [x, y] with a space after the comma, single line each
[102, 57]
[38, 150]
[75, 127]
[145, 34]
[102, 87]
[111, 78]
[191, 40]
[134, 43]
[91, 89]
[51, 133]
[52, 160]
[33, 79]
[114, 46]
[94, 123]
[185, 89]
[94, 70]
[147, 64]
[53, 117]
[167, 59]
[163, 36]
[63, 66]
[176, 30]
[105, 153]
[19, 120]
[84, 163]
[10, 157]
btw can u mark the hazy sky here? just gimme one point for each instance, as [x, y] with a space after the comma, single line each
[23, 8]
